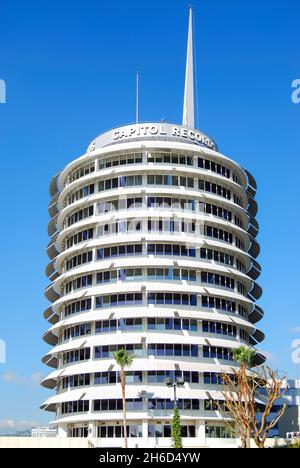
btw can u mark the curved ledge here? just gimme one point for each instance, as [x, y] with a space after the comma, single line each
[144, 337]
[139, 364]
[54, 185]
[51, 316]
[254, 250]
[185, 171]
[50, 361]
[50, 269]
[253, 227]
[259, 359]
[252, 186]
[257, 314]
[52, 249]
[258, 336]
[50, 338]
[255, 270]
[256, 292]
[53, 207]
[51, 294]
[252, 207]
[52, 228]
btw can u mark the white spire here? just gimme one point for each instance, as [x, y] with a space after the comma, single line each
[189, 104]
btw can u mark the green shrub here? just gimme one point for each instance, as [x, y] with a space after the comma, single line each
[176, 429]
[295, 444]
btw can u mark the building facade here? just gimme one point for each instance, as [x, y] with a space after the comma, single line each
[289, 425]
[153, 249]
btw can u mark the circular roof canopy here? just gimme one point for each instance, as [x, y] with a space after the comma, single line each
[153, 131]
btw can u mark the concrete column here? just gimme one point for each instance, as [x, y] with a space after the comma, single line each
[92, 430]
[62, 431]
[145, 432]
[200, 432]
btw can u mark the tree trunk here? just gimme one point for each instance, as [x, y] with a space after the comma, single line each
[244, 442]
[247, 437]
[124, 407]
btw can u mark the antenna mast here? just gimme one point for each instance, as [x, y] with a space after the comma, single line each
[189, 92]
[137, 96]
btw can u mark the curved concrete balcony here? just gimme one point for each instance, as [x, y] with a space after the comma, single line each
[259, 359]
[254, 250]
[252, 206]
[52, 249]
[51, 294]
[255, 270]
[257, 337]
[253, 228]
[51, 316]
[54, 185]
[252, 185]
[52, 227]
[53, 209]
[50, 361]
[256, 292]
[50, 338]
[257, 314]
[148, 169]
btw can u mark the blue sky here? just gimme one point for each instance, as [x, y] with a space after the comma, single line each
[70, 75]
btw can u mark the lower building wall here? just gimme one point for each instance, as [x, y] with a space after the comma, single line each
[66, 442]
[290, 421]
[43, 442]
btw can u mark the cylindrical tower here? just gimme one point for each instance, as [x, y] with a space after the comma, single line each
[152, 250]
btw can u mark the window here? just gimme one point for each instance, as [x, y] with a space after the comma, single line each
[81, 172]
[116, 405]
[78, 432]
[212, 352]
[74, 381]
[119, 300]
[119, 251]
[219, 432]
[133, 431]
[214, 188]
[171, 250]
[211, 378]
[80, 283]
[219, 169]
[121, 182]
[79, 216]
[77, 307]
[219, 328]
[77, 331]
[165, 431]
[81, 406]
[105, 352]
[81, 193]
[78, 260]
[172, 298]
[221, 304]
[172, 350]
[126, 159]
[76, 355]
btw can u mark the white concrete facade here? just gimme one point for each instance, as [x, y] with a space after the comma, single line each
[152, 249]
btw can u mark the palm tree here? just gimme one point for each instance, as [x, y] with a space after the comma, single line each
[124, 359]
[246, 358]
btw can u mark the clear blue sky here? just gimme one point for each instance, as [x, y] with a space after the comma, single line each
[70, 73]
